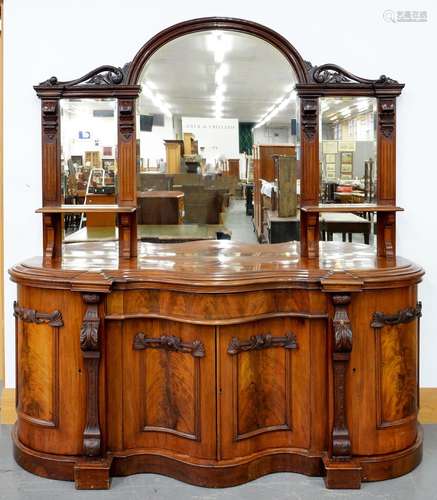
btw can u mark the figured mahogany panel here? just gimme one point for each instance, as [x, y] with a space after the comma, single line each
[263, 385]
[262, 391]
[397, 358]
[381, 393]
[169, 389]
[51, 379]
[171, 382]
[38, 378]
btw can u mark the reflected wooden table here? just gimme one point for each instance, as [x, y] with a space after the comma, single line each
[165, 233]
[346, 224]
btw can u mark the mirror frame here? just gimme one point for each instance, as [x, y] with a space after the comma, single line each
[313, 83]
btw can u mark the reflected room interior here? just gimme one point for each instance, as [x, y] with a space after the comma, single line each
[218, 150]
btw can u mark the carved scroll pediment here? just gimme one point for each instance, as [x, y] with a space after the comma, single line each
[101, 76]
[331, 74]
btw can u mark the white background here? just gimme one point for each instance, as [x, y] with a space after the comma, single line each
[69, 38]
[219, 137]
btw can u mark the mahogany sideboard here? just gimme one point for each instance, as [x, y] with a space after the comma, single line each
[216, 362]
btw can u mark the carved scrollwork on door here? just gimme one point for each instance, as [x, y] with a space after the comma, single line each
[32, 316]
[381, 319]
[169, 343]
[262, 341]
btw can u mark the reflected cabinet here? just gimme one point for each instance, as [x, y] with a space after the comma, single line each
[218, 295]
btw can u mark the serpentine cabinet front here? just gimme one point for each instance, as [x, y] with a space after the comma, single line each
[217, 388]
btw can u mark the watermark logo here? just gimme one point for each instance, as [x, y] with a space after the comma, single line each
[405, 16]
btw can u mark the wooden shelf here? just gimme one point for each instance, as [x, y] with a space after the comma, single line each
[350, 207]
[74, 209]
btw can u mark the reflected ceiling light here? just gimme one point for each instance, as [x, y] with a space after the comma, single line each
[221, 72]
[221, 89]
[151, 85]
[157, 99]
[345, 111]
[363, 105]
[289, 88]
[279, 105]
[219, 44]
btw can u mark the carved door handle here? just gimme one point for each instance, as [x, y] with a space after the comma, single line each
[262, 341]
[169, 343]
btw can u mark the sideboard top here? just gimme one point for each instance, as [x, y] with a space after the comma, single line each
[215, 266]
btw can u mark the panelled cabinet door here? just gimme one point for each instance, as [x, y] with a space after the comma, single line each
[169, 387]
[264, 386]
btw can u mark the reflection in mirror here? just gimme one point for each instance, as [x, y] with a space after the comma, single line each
[348, 149]
[348, 161]
[88, 162]
[216, 142]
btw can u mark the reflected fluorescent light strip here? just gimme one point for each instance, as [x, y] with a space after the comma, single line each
[279, 105]
[219, 44]
[149, 91]
[219, 97]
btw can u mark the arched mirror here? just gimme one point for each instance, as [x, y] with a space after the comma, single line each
[216, 141]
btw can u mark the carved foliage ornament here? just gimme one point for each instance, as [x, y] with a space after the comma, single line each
[103, 75]
[32, 316]
[169, 343]
[341, 444]
[50, 120]
[89, 332]
[262, 341]
[333, 74]
[407, 315]
[126, 118]
[309, 117]
[387, 116]
[342, 325]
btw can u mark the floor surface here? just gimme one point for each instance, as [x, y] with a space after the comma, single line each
[420, 484]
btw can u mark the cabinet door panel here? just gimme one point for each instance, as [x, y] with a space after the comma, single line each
[169, 387]
[264, 386]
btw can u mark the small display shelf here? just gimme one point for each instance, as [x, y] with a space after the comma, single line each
[350, 207]
[69, 209]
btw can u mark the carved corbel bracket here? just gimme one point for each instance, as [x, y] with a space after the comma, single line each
[386, 234]
[32, 316]
[342, 347]
[387, 116]
[50, 119]
[309, 117]
[90, 346]
[126, 118]
[403, 316]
